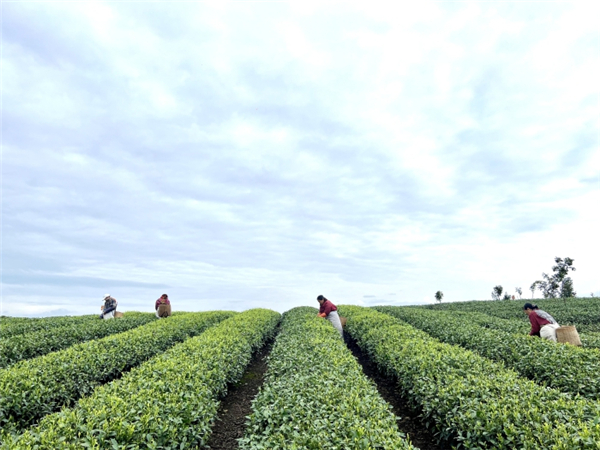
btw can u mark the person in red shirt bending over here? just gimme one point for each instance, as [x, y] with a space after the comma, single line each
[328, 311]
[542, 323]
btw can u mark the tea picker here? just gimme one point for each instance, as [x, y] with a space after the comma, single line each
[163, 306]
[109, 308]
[328, 311]
[542, 323]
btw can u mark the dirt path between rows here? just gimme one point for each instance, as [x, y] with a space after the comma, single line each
[408, 422]
[231, 419]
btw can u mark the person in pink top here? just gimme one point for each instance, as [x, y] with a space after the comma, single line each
[163, 306]
[542, 323]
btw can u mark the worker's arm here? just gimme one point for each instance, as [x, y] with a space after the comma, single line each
[322, 315]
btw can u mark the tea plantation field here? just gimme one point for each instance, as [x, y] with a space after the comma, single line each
[468, 374]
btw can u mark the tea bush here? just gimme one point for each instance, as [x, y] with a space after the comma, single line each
[316, 396]
[37, 343]
[13, 326]
[590, 339]
[561, 366]
[33, 388]
[516, 326]
[168, 402]
[470, 401]
[584, 313]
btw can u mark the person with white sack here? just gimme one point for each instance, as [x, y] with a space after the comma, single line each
[109, 307]
[328, 311]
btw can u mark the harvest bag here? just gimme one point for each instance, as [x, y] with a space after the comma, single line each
[164, 310]
[568, 335]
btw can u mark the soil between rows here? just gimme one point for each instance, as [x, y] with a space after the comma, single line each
[408, 421]
[231, 418]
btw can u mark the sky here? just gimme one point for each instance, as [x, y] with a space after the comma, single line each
[237, 155]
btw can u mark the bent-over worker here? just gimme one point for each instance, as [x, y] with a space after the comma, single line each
[328, 311]
[163, 306]
[542, 323]
[110, 306]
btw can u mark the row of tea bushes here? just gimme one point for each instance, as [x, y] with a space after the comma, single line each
[168, 402]
[13, 326]
[14, 318]
[37, 343]
[584, 313]
[315, 395]
[516, 326]
[564, 367]
[33, 388]
[470, 401]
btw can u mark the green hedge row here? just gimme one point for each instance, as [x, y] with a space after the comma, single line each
[316, 396]
[37, 343]
[470, 401]
[34, 388]
[169, 402]
[560, 366]
[584, 313]
[517, 326]
[15, 326]
[589, 339]
[12, 320]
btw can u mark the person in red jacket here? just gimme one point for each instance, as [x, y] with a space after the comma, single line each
[328, 311]
[542, 323]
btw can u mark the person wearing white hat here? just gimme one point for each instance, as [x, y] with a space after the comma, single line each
[110, 306]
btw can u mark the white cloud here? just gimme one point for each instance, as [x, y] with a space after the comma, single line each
[255, 154]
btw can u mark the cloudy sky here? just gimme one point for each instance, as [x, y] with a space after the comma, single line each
[257, 154]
